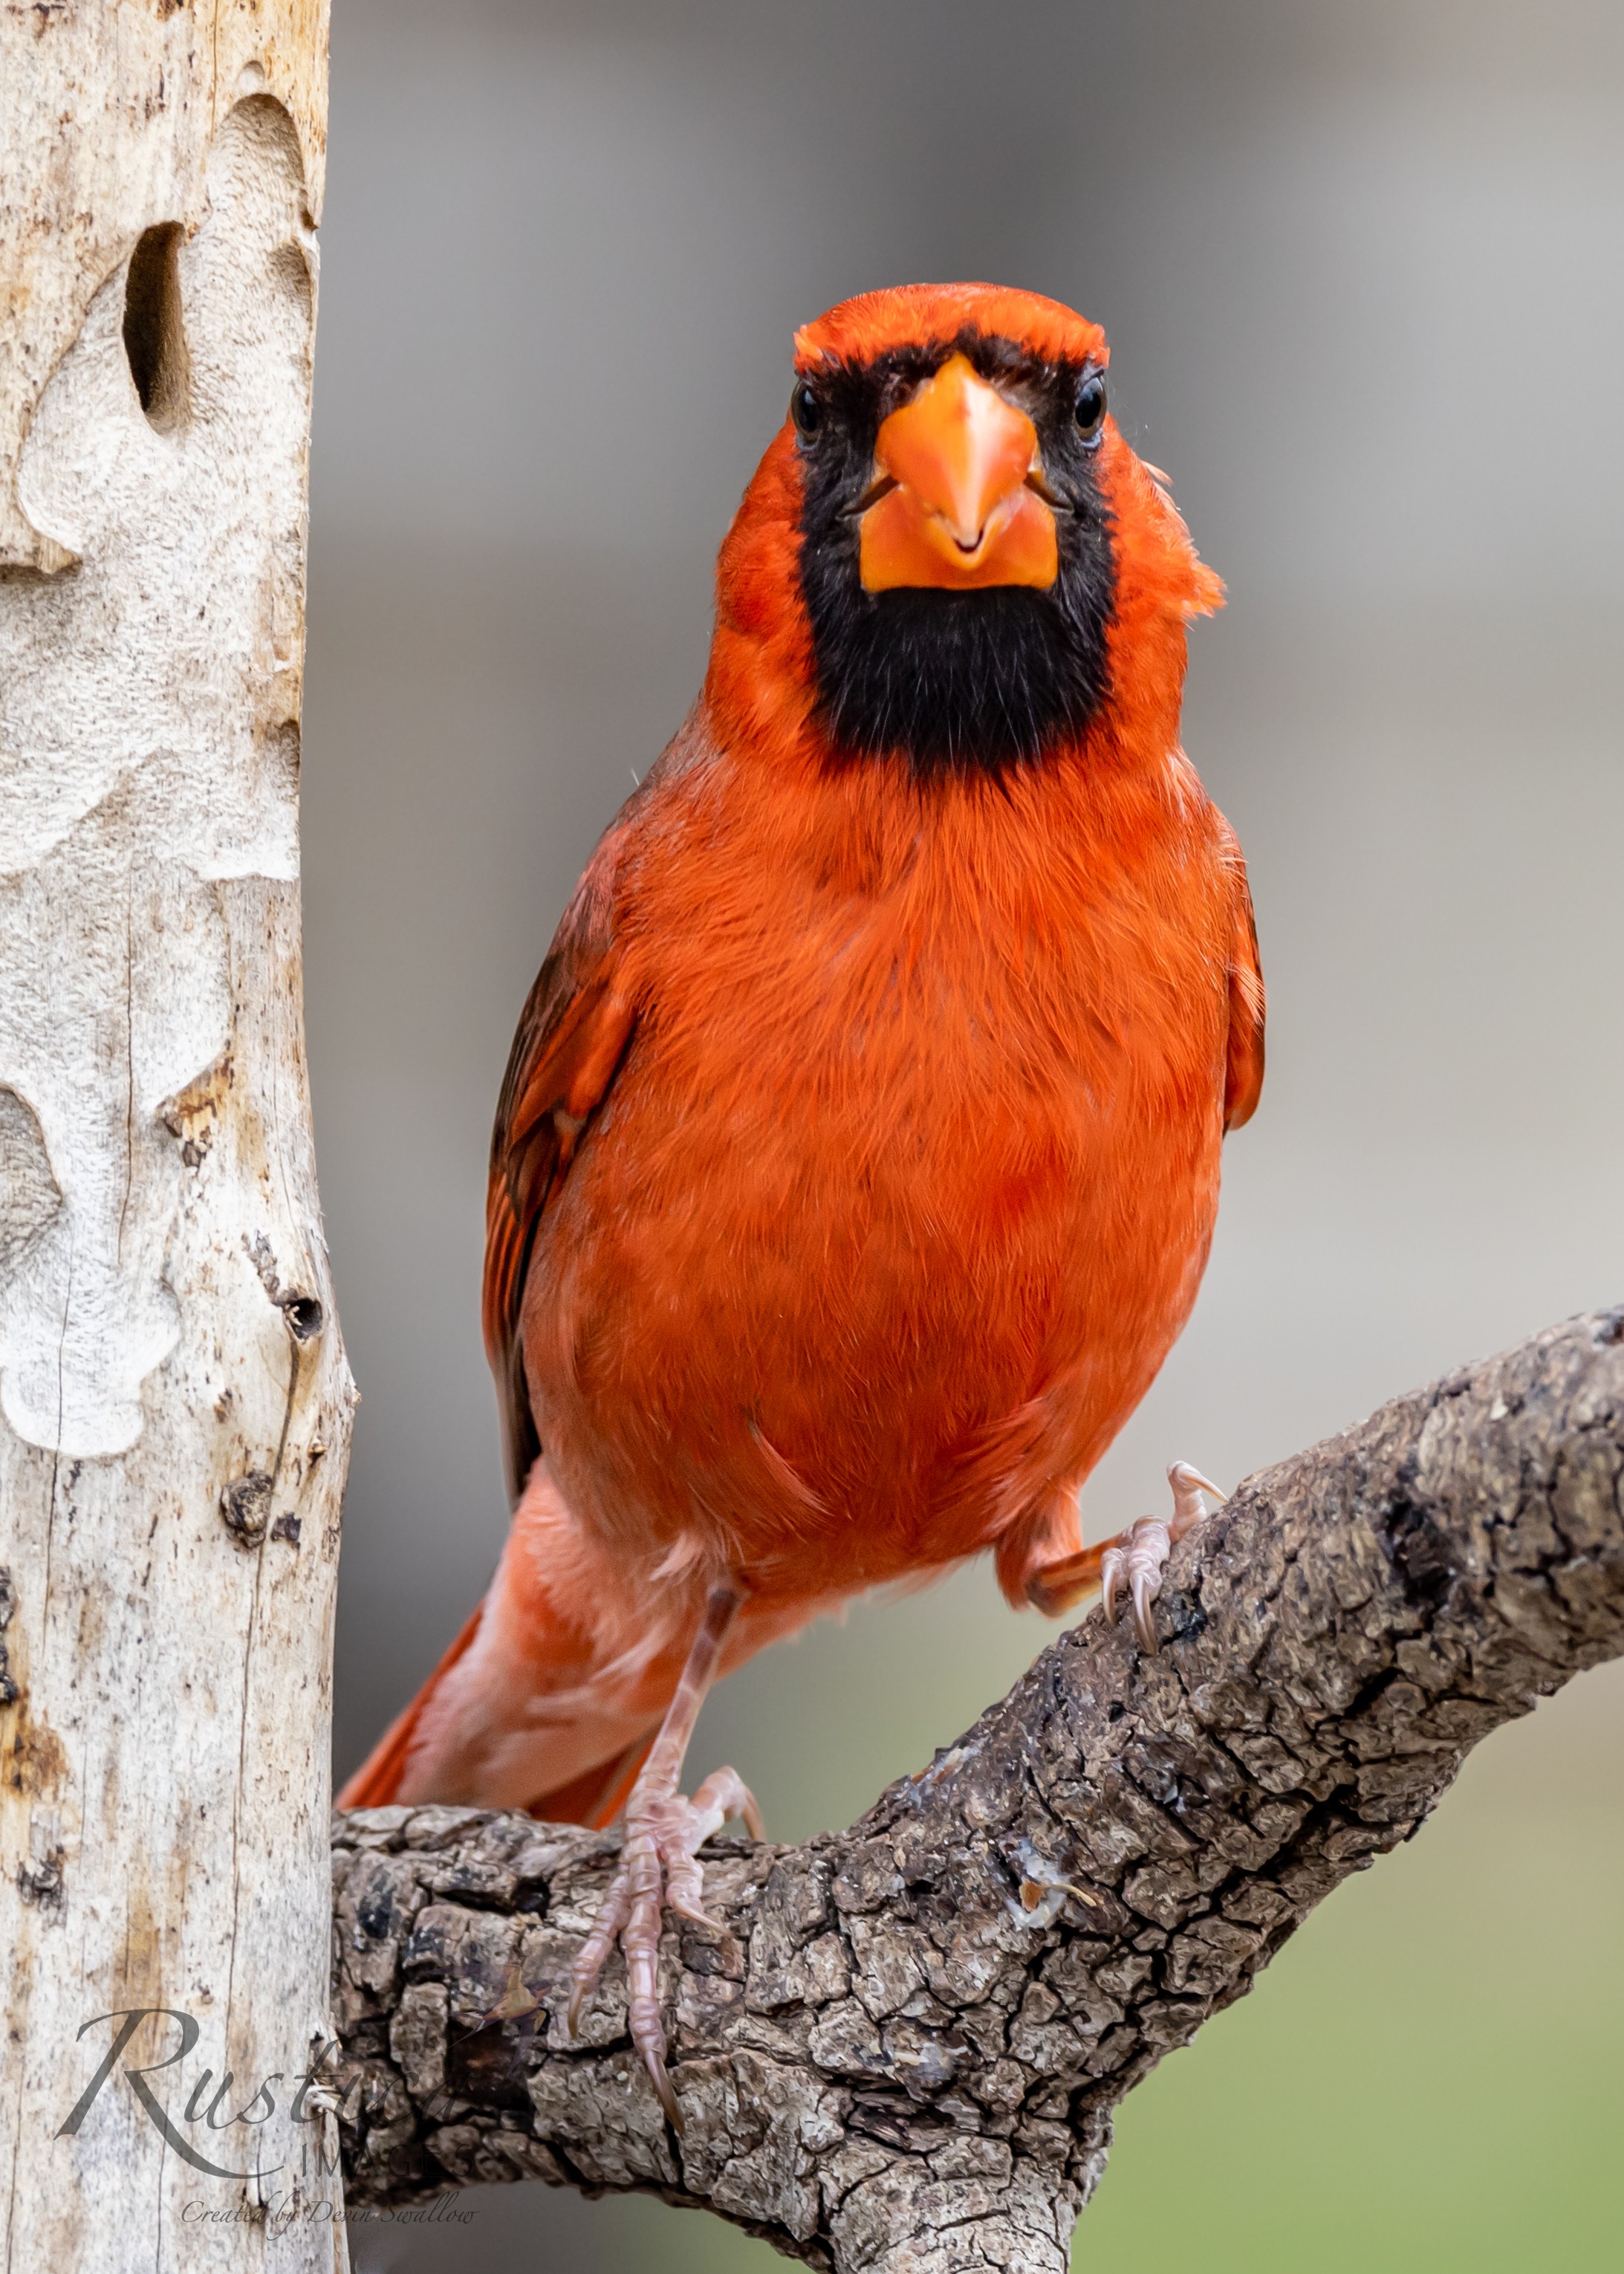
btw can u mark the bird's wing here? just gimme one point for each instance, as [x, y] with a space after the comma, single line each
[573, 1036]
[1244, 1067]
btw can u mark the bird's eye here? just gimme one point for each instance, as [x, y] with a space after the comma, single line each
[1090, 408]
[805, 408]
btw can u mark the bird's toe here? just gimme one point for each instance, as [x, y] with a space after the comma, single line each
[658, 1871]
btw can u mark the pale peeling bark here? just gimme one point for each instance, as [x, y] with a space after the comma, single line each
[903, 2048]
[174, 1399]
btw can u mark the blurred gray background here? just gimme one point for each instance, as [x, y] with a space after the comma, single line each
[1361, 270]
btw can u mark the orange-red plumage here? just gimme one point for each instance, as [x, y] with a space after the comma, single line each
[858, 1158]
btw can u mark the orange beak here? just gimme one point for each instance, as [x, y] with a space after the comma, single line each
[957, 509]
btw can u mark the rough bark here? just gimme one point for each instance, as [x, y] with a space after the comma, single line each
[903, 2047]
[174, 1400]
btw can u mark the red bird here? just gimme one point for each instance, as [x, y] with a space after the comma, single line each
[857, 1159]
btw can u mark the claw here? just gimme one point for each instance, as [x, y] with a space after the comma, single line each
[654, 2062]
[1188, 1484]
[723, 1794]
[579, 1991]
[693, 1912]
[589, 1965]
[1148, 1548]
[1113, 1568]
[1147, 1586]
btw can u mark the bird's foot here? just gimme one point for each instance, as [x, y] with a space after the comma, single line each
[658, 1871]
[1135, 1561]
[1130, 1565]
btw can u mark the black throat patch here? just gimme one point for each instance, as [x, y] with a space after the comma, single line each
[953, 682]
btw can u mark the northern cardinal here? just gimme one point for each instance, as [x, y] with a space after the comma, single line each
[857, 1159]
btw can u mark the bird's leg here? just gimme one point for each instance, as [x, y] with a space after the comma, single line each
[1133, 1560]
[659, 1852]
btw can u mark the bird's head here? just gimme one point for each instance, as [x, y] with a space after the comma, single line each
[949, 554]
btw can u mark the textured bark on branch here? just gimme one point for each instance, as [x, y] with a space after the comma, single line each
[904, 2047]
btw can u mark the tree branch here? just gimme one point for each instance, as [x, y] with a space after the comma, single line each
[904, 2047]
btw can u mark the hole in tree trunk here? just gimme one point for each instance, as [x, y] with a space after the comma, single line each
[303, 1315]
[154, 338]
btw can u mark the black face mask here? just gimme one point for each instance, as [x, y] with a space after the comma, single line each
[953, 682]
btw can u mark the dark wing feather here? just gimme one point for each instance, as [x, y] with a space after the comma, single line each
[1244, 1068]
[573, 1036]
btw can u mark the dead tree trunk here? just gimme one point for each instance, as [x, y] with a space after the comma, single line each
[174, 1400]
[903, 2048]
